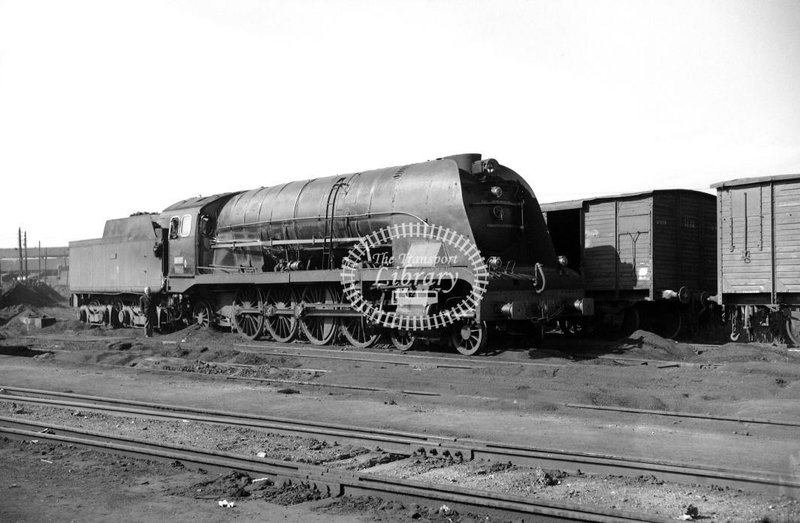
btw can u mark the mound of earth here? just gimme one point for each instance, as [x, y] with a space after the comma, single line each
[62, 290]
[36, 295]
[645, 344]
[16, 311]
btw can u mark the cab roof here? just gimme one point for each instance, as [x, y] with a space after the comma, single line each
[198, 201]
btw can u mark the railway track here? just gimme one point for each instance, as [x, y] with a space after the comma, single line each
[409, 443]
[453, 361]
[685, 415]
[388, 357]
[329, 482]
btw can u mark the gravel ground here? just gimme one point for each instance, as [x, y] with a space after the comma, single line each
[644, 494]
[513, 402]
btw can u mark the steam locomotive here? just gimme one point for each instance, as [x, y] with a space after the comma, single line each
[449, 249]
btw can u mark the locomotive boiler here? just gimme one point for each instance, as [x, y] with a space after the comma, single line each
[447, 249]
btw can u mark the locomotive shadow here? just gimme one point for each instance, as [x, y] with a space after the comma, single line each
[21, 351]
[568, 348]
[606, 271]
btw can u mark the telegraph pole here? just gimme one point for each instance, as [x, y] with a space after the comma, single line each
[40, 260]
[25, 245]
[19, 242]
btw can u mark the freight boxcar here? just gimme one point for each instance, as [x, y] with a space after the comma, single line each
[648, 259]
[759, 251]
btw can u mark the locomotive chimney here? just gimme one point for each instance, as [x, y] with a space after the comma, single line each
[464, 161]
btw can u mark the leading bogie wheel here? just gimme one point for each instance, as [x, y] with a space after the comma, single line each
[403, 340]
[469, 338]
[248, 311]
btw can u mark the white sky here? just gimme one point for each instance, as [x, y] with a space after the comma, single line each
[107, 108]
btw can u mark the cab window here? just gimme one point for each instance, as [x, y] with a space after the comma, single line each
[186, 225]
[206, 225]
[174, 226]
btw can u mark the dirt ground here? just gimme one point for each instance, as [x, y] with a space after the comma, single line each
[510, 395]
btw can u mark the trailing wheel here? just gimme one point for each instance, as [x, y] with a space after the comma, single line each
[792, 326]
[202, 314]
[282, 327]
[319, 330]
[403, 340]
[248, 315]
[469, 338]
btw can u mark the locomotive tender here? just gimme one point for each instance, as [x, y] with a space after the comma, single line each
[457, 248]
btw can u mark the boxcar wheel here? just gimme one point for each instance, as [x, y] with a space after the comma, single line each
[792, 325]
[572, 327]
[664, 319]
[630, 322]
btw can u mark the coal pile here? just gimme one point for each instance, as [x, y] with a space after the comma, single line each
[32, 294]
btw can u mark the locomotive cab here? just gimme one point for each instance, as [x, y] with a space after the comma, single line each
[182, 244]
[191, 229]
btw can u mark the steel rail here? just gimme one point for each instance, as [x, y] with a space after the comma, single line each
[409, 442]
[401, 359]
[328, 481]
[633, 362]
[679, 414]
[335, 356]
[280, 381]
[482, 362]
[305, 351]
[390, 440]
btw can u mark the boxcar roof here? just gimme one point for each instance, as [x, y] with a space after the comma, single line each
[576, 204]
[756, 180]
